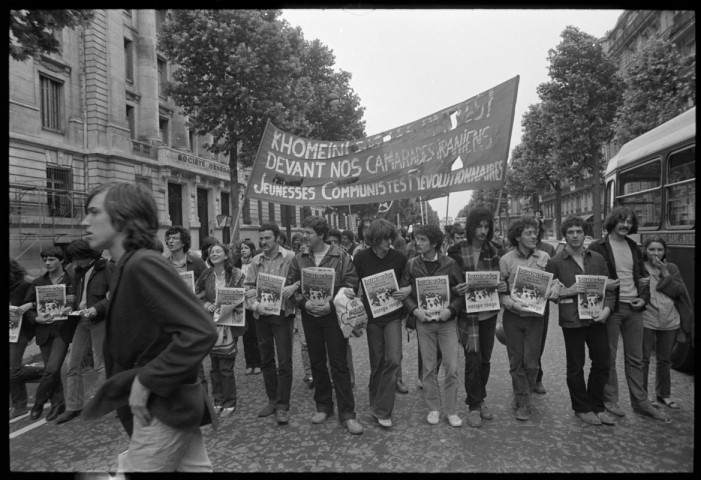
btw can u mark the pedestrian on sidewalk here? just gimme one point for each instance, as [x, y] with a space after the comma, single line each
[157, 335]
[321, 328]
[476, 331]
[20, 374]
[631, 291]
[53, 337]
[250, 338]
[587, 397]
[435, 332]
[274, 331]
[523, 329]
[92, 276]
[384, 333]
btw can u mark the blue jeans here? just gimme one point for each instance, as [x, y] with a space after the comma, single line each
[250, 342]
[53, 352]
[299, 331]
[662, 341]
[20, 374]
[86, 333]
[275, 336]
[223, 380]
[161, 448]
[629, 324]
[589, 396]
[523, 336]
[432, 335]
[385, 351]
[478, 364]
[324, 337]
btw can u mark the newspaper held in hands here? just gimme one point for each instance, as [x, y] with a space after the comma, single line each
[379, 289]
[269, 292]
[230, 311]
[591, 303]
[51, 300]
[530, 287]
[189, 279]
[15, 323]
[433, 295]
[482, 295]
[317, 285]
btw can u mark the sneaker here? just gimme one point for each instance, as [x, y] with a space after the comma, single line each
[401, 388]
[486, 412]
[613, 408]
[454, 421]
[218, 409]
[257, 371]
[225, 412]
[319, 417]
[353, 426]
[606, 418]
[433, 417]
[539, 388]
[588, 417]
[654, 413]
[249, 371]
[384, 422]
[283, 417]
[522, 414]
[266, 411]
[474, 419]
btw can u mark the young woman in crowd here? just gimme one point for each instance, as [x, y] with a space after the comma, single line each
[250, 339]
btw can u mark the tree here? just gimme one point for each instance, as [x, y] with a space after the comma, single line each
[237, 69]
[33, 32]
[660, 85]
[482, 197]
[580, 104]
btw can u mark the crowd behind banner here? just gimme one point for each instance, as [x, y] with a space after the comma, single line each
[457, 288]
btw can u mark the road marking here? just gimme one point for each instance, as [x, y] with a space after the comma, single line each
[17, 419]
[26, 429]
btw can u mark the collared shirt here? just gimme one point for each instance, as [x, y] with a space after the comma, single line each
[279, 265]
[564, 268]
[509, 263]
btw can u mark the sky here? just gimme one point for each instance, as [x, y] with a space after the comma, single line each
[407, 64]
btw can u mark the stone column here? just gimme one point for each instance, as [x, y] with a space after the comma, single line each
[147, 76]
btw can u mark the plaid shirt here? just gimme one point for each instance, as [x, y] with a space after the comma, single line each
[468, 328]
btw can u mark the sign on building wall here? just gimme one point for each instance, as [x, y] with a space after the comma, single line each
[411, 160]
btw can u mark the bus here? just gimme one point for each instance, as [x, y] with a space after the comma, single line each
[655, 174]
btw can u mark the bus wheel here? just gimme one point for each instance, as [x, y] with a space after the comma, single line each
[683, 357]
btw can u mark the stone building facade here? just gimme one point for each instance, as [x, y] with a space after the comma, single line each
[97, 112]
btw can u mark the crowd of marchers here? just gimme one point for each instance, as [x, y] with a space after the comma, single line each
[147, 334]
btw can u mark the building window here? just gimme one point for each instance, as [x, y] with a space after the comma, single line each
[129, 60]
[271, 212]
[193, 141]
[144, 182]
[160, 19]
[131, 120]
[175, 203]
[58, 186]
[163, 126]
[260, 212]
[225, 209]
[246, 212]
[51, 103]
[162, 77]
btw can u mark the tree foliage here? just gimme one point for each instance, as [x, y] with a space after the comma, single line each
[660, 85]
[33, 32]
[483, 197]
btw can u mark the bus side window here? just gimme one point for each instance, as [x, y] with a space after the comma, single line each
[640, 189]
[681, 188]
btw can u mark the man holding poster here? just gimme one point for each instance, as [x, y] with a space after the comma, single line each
[523, 328]
[587, 397]
[380, 266]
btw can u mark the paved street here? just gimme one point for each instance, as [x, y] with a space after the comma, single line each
[553, 441]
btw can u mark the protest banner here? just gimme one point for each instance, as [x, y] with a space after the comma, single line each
[415, 159]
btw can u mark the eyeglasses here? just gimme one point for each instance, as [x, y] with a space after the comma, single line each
[626, 222]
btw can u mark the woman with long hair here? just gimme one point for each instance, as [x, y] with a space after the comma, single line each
[662, 316]
[221, 274]
[250, 339]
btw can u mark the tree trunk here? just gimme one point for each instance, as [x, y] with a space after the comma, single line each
[596, 192]
[234, 198]
[558, 211]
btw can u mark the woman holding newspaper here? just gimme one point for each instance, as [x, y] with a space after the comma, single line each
[435, 304]
[211, 287]
[523, 269]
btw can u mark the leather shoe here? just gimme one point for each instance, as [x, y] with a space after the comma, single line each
[319, 417]
[266, 411]
[55, 411]
[401, 388]
[654, 413]
[589, 417]
[36, 412]
[283, 417]
[613, 408]
[353, 426]
[539, 388]
[67, 415]
[16, 412]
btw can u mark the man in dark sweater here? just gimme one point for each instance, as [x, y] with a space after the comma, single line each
[384, 329]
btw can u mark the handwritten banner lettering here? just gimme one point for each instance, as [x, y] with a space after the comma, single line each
[411, 160]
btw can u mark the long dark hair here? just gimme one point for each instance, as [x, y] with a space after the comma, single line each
[17, 272]
[474, 217]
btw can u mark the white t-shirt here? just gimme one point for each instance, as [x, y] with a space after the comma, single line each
[624, 269]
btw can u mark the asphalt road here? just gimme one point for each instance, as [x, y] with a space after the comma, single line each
[554, 440]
